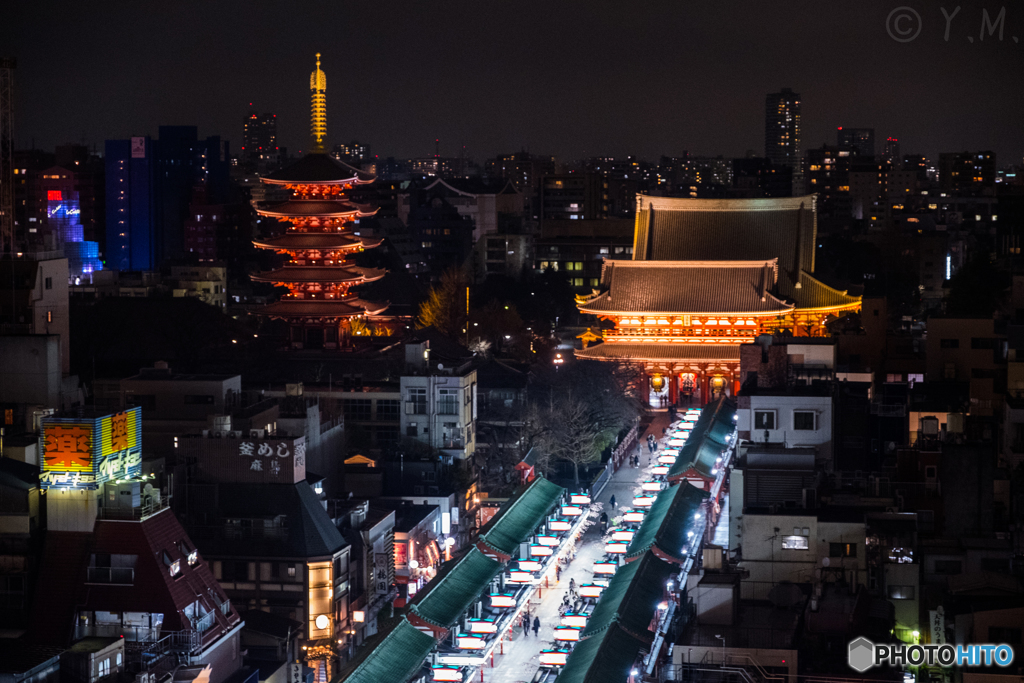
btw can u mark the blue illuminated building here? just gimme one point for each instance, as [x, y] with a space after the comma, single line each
[149, 185]
[64, 217]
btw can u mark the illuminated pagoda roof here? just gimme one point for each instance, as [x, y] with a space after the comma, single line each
[695, 352]
[317, 241]
[318, 169]
[327, 274]
[782, 228]
[313, 208]
[287, 309]
[688, 287]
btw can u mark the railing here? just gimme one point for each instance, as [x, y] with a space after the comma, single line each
[137, 514]
[123, 576]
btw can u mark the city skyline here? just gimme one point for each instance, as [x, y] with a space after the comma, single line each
[575, 98]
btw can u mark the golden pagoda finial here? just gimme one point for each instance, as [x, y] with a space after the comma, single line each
[318, 121]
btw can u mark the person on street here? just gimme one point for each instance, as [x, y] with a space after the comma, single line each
[572, 586]
[536, 626]
[612, 502]
[526, 627]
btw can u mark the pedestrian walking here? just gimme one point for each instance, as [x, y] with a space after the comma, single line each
[536, 626]
[558, 573]
[526, 628]
[572, 585]
[612, 501]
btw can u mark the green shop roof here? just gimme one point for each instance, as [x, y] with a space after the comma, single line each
[606, 658]
[454, 589]
[707, 439]
[520, 515]
[665, 526]
[395, 656]
[631, 597]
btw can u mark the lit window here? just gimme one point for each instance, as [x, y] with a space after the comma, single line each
[795, 543]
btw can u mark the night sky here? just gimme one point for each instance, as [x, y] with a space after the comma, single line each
[565, 77]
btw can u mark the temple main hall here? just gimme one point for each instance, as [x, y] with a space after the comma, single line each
[708, 275]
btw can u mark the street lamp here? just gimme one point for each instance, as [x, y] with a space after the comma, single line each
[721, 638]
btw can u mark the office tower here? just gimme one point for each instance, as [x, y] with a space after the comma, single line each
[859, 140]
[149, 187]
[132, 235]
[891, 155]
[782, 129]
[967, 173]
[259, 139]
[6, 154]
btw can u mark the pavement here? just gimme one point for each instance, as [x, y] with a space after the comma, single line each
[521, 657]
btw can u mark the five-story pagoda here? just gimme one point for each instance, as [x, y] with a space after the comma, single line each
[319, 307]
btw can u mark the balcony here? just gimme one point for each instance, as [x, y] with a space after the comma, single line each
[134, 514]
[115, 576]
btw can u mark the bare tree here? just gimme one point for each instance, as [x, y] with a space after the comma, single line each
[572, 434]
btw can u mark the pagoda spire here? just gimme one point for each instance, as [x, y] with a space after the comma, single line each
[318, 119]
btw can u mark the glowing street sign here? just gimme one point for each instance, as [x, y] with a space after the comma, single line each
[633, 517]
[85, 452]
[660, 470]
[615, 548]
[559, 525]
[567, 634]
[643, 501]
[482, 626]
[449, 674]
[605, 568]
[575, 620]
[677, 442]
[623, 535]
[651, 486]
[571, 511]
[579, 499]
[540, 551]
[529, 565]
[467, 642]
[553, 658]
[502, 601]
[520, 577]
[590, 590]
[551, 541]
[667, 459]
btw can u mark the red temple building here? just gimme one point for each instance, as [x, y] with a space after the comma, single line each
[320, 308]
[708, 275]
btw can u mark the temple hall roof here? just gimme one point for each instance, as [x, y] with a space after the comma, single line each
[318, 169]
[325, 274]
[683, 229]
[312, 208]
[683, 287]
[321, 308]
[321, 241]
[652, 351]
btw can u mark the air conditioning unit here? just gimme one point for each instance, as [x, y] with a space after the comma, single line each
[218, 435]
[206, 432]
[236, 435]
[256, 433]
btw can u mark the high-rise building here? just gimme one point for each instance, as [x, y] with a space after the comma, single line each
[355, 153]
[860, 140]
[891, 155]
[319, 307]
[782, 129]
[149, 187]
[259, 139]
[967, 173]
[133, 240]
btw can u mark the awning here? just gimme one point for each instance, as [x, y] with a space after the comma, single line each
[392, 655]
[707, 441]
[520, 516]
[664, 529]
[631, 598]
[606, 658]
[455, 588]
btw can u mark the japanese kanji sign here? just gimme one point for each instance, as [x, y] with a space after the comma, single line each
[85, 452]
